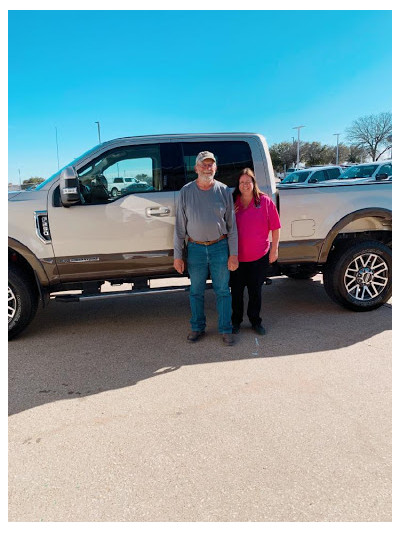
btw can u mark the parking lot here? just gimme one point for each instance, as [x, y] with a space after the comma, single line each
[115, 417]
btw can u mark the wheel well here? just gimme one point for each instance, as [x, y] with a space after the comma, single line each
[343, 240]
[346, 238]
[17, 259]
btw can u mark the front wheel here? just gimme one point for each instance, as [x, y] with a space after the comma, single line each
[22, 301]
[359, 277]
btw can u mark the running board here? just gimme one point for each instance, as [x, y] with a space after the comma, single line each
[120, 294]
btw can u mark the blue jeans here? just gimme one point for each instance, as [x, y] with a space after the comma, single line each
[214, 259]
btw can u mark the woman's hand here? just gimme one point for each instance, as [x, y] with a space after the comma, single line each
[273, 255]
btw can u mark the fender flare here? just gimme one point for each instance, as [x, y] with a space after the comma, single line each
[31, 259]
[379, 212]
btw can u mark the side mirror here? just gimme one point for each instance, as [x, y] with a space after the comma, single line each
[69, 187]
[313, 180]
[381, 177]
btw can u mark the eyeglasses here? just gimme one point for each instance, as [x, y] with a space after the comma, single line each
[206, 165]
[245, 183]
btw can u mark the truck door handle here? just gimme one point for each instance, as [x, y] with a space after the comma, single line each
[157, 211]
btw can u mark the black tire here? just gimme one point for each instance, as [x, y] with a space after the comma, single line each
[22, 301]
[359, 276]
[114, 192]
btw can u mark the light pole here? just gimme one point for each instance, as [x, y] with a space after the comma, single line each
[298, 144]
[19, 174]
[58, 159]
[337, 147]
[98, 130]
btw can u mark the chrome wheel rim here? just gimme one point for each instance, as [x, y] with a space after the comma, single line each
[12, 304]
[366, 277]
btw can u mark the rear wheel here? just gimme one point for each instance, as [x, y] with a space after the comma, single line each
[359, 276]
[22, 301]
[114, 192]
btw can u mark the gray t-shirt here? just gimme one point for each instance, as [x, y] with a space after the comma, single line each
[205, 216]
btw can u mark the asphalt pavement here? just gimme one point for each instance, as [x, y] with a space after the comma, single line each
[114, 417]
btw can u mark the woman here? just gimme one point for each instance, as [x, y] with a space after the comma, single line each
[256, 216]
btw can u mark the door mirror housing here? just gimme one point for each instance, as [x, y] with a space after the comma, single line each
[69, 187]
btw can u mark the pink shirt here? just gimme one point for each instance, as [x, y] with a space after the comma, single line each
[254, 224]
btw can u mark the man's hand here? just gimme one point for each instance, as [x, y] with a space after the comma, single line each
[179, 265]
[233, 263]
[273, 255]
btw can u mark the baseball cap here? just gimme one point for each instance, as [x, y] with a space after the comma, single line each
[205, 155]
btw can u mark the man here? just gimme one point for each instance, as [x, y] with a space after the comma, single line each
[205, 216]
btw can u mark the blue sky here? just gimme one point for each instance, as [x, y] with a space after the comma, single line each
[149, 72]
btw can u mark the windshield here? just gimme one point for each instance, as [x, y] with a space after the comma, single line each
[297, 177]
[359, 171]
[41, 185]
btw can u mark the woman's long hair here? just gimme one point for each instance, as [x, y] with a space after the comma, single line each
[256, 191]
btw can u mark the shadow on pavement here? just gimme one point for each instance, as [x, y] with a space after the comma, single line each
[79, 349]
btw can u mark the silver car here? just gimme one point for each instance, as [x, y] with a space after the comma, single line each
[312, 175]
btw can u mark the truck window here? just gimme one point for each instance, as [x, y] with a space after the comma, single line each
[232, 157]
[122, 171]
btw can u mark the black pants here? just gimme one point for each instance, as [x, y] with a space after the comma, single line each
[251, 275]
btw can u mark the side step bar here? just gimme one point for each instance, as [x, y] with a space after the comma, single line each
[119, 294]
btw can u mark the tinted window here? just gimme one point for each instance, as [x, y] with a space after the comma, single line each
[319, 175]
[333, 173]
[359, 171]
[297, 177]
[231, 156]
[386, 169]
[141, 163]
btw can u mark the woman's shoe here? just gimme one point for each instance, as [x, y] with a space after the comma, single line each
[259, 329]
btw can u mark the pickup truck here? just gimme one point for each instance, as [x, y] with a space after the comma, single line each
[71, 234]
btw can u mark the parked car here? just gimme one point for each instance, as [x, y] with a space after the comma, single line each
[312, 175]
[119, 183]
[379, 170]
[139, 186]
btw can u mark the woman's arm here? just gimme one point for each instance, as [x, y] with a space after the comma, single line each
[273, 252]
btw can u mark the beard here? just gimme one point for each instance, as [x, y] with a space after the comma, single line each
[206, 177]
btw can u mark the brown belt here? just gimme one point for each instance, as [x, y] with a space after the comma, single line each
[207, 243]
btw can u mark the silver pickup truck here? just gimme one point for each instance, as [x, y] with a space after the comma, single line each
[72, 234]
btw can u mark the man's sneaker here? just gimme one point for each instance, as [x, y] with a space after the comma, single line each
[195, 336]
[235, 328]
[259, 329]
[227, 339]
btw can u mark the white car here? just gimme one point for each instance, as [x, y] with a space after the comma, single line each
[378, 170]
[117, 184]
[312, 175]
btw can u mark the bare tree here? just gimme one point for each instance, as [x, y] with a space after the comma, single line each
[373, 133]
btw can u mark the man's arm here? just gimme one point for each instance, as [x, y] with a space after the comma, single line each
[179, 235]
[233, 262]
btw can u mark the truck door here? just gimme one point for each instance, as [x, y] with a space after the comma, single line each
[110, 236]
